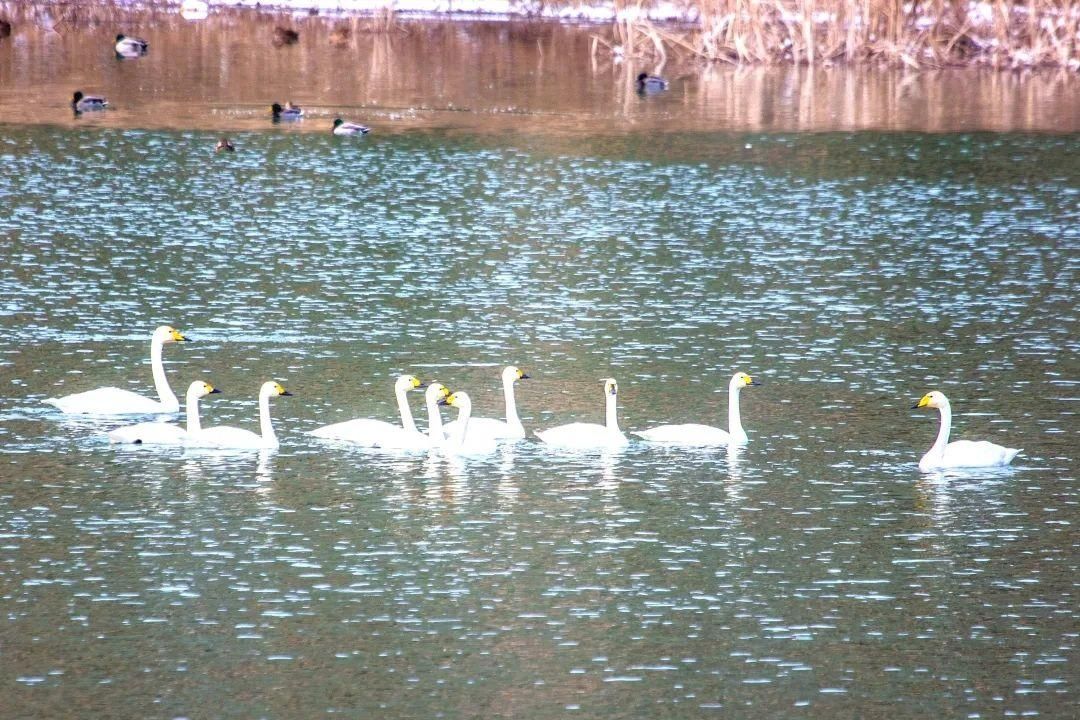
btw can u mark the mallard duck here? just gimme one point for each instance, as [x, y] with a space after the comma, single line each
[285, 36]
[224, 145]
[83, 103]
[127, 46]
[289, 112]
[650, 83]
[347, 128]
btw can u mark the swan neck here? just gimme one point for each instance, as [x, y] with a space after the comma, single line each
[265, 426]
[161, 383]
[435, 431]
[734, 417]
[404, 410]
[463, 417]
[938, 448]
[612, 421]
[193, 423]
[511, 404]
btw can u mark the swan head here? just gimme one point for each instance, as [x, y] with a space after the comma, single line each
[436, 392]
[611, 387]
[168, 334]
[200, 389]
[740, 380]
[933, 399]
[271, 388]
[511, 373]
[460, 400]
[405, 383]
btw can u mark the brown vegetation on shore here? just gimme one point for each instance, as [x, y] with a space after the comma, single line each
[912, 33]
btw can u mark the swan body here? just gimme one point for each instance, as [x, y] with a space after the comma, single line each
[224, 436]
[650, 83]
[162, 433]
[590, 435]
[128, 47]
[702, 435]
[961, 453]
[289, 112]
[374, 433]
[509, 429]
[387, 436]
[464, 441]
[116, 401]
[347, 128]
[87, 103]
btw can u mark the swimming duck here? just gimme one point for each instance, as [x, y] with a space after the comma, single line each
[128, 46]
[347, 128]
[224, 145]
[289, 112]
[285, 36]
[84, 103]
[650, 83]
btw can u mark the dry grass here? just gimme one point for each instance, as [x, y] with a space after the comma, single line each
[912, 33]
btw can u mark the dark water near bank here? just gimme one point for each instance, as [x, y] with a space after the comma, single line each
[814, 573]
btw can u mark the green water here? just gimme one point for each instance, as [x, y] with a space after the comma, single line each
[817, 572]
[843, 234]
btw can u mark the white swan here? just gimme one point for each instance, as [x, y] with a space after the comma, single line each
[373, 433]
[962, 453]
[433, 398]
[115, 401]
[590, 435]
[695, 434]
[392, 437]
[224, 436]
[162, 433]
[509, 429]
[463, 441]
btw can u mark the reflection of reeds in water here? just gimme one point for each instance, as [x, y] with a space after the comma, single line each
[406, 79]
[934, 33]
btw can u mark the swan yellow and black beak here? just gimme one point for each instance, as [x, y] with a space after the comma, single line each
[522, 376]
[176, 335]
[922, 403]
[213, 391]
[751, 381]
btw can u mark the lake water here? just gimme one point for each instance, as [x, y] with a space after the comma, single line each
[578, 234]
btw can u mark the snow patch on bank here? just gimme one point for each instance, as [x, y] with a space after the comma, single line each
[596, 12]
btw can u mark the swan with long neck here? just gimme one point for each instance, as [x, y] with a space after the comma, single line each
[225, 436]
[163, 433]
[696, 434]
[590, 435]
[116, 401]
[463, 441]
[371, 433]
[961, 453]
[509, 429]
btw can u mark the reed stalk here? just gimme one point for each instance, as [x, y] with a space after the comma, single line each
[911, 33]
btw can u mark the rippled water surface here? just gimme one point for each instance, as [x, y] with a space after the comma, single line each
[814, 573]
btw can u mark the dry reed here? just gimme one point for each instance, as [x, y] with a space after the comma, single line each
[912, 33]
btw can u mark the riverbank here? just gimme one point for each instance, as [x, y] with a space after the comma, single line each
[1002, 34]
